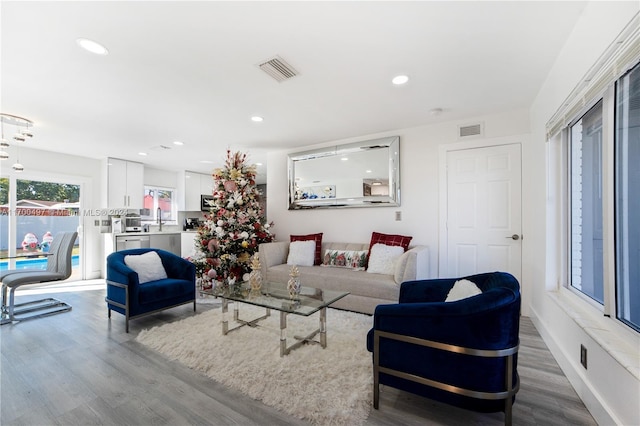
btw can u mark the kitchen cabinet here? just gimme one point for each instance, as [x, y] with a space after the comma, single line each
[188, 241]
[206, 184]
[125, 184]
[166, 241]
[192, 191]
[195, 184]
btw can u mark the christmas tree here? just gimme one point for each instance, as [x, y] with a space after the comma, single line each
[233, 228]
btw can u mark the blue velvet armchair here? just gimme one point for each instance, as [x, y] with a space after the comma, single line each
[462, 353]
[126, 295]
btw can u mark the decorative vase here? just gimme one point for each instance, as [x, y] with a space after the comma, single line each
[255, 280]
[293, 285]
[255, 277]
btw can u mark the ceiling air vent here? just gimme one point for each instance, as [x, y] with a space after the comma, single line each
[470, 130]
[278, 68]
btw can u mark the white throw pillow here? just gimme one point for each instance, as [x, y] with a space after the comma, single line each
[382, 259]
[148, 266]
[301, 253]
[461, 290]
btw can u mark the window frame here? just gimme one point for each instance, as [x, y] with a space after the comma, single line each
[569, 167]
[608, 308]
[151, 218]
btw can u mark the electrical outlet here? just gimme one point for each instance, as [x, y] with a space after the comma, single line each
[398, 216]
[583, 356]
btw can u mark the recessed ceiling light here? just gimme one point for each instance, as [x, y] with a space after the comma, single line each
[178, 143]
[368, 171]
[258, 164]
[400, 79]
[92, 46]
[257, 119]
[206, 162]
[142, 153]
[345, 159]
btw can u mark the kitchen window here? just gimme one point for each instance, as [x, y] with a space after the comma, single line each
[157, 199]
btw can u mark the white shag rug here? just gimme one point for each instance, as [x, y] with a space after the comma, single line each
[323, 386]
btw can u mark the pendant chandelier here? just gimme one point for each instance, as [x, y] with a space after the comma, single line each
[22, 132]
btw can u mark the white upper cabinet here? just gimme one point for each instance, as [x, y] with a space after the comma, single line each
[206, 184]
[125, 180]
[192, 191]
[195, 184]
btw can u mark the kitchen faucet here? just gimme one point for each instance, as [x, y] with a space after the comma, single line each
[160, 219]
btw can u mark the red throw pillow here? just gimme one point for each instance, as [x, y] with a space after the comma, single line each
[388, 240]
[317, 258]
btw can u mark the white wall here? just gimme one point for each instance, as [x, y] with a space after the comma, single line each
[419, 182]
[610, 387]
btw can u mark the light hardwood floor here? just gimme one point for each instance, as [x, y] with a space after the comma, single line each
[79, 368]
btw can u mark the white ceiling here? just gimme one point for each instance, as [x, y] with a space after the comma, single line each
[187, 71]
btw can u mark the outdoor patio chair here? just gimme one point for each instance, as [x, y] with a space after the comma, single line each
[58, 269]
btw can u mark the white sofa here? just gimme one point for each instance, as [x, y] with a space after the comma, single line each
[367, 290]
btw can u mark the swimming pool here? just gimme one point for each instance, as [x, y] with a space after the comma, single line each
[40, 263]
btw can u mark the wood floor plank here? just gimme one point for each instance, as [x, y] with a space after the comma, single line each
[80, 368]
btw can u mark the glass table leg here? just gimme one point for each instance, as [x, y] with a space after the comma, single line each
[323, 327]
[283, 334]
[225, 321]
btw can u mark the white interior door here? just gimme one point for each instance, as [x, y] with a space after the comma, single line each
[484, 211]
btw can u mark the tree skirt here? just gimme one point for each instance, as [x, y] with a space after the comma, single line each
[323, 386]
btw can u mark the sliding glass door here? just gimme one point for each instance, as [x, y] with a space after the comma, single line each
[32, 212]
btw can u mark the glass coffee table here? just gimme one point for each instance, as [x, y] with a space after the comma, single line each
[276, 296]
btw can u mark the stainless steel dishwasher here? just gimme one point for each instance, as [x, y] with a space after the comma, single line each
[125, 242]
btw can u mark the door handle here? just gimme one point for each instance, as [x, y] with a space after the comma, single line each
[514, 237]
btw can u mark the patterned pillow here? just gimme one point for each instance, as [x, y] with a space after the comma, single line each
[389, 240]
[353, 259]
[317, 260]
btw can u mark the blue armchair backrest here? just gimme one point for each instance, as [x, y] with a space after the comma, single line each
[436, 290]
[174, 265]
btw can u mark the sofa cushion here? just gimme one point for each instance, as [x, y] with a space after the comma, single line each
[301, 253]
[166, 289]
[382, 259]
[148, 266]
[358, 283]
[317, 260]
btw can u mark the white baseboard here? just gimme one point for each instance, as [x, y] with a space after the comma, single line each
[591, 398]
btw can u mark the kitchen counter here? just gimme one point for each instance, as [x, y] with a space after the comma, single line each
[120, 234]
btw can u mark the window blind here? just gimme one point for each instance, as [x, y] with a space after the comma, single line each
[619, 58]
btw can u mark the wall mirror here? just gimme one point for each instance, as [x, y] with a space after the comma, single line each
[360, 174]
